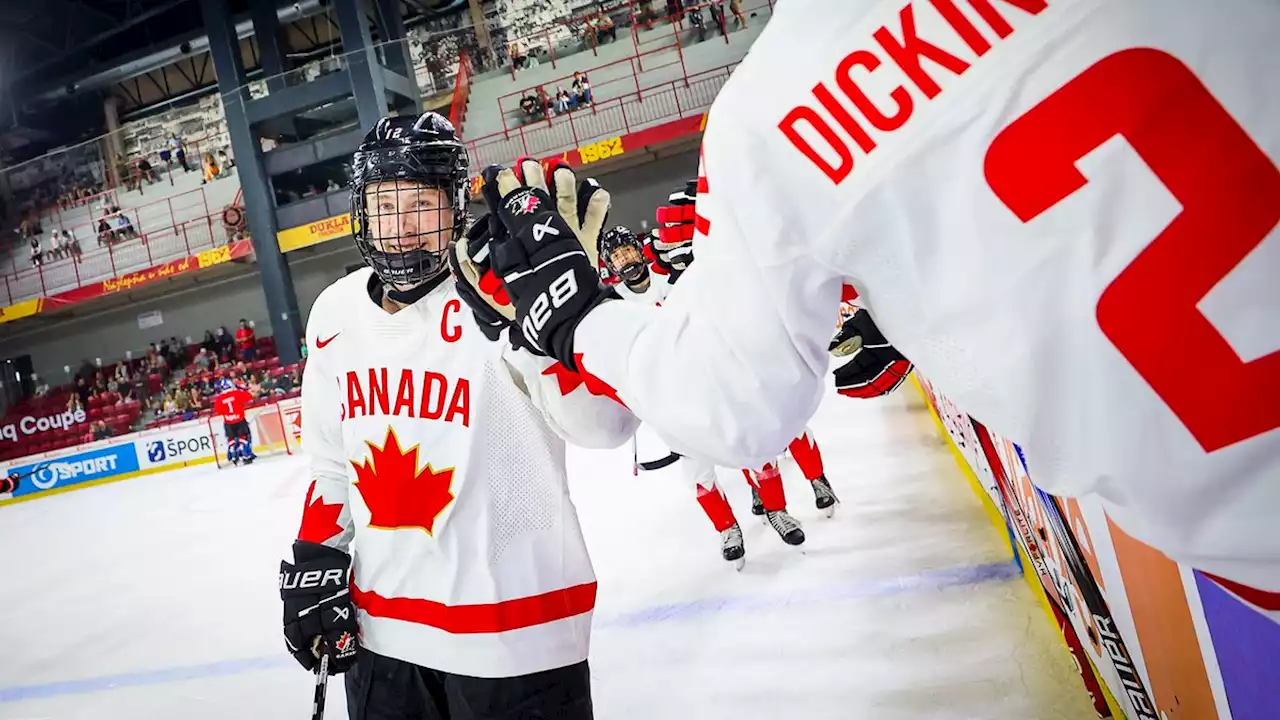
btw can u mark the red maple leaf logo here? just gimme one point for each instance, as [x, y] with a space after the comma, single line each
[319, 518]
[397, 493]
[595, 385]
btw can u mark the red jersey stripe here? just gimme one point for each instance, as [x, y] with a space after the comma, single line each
[487, 618]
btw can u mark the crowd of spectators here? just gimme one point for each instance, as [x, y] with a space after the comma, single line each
[538, 105]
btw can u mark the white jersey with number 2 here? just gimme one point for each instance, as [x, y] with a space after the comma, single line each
[1063, 211]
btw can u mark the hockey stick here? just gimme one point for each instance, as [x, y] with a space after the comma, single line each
[635, 458]
[1058, 597]
[30, 473]
[322, 684]
[1109, 636]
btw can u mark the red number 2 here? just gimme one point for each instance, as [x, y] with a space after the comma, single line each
[1230, 195]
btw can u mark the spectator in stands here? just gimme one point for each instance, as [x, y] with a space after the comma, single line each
[100, 430]
[255, 386]
[739, 17]
[581, 89]
[211, 169]
[196, 396]
[517, 54]
[224, 161]
[113, 385]
[226, 345]
[37, 255]
[529, 106]
[179, 152]
[145, 171]
[74, 402]
[203, 360]
[99, 383]
[210, 342]
[106, 235]
[302, 348]
[544, 100]
[563, 102]
[42, 387]
[246, 342]
[122, 373]
[604, 29]
[124, 226]
[169, 408]
[86, 369]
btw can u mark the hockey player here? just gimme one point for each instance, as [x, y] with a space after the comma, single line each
[624, 256]
[230, 403]
[438, 529]
[1046, 206]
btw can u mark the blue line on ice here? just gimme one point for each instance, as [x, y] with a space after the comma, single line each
[932, 580]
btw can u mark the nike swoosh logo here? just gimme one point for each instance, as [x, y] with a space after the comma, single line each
[320, 343]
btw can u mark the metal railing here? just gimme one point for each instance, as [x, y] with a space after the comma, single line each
[636, 110]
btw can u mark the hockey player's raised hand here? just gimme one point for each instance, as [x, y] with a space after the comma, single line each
[876, 368]
[673, 247]
[547, 258]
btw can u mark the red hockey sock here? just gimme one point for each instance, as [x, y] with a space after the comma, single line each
[807, 455]
[768, 483]
[716, 506]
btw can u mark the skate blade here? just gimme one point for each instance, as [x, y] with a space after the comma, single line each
[739, 564]
[829, 511]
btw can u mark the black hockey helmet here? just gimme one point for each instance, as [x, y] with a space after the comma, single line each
[631, 267]
[404, 236]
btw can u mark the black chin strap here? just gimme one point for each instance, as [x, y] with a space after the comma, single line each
[378, 290]
[416, 293]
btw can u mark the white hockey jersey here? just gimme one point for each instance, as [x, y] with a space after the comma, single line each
[1063, 211]
[659, 285]
[436, 462]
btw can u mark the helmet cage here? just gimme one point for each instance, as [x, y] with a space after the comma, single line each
[436, 163]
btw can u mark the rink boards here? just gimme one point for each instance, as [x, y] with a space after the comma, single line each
[1167, 641]
[276, 427]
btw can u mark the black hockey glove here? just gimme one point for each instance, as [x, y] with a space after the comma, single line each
[478, 286]
[543, 261]
[318, 614]
[876, 369]
[673, 248]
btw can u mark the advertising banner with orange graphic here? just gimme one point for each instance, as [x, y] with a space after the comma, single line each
[1167, 641]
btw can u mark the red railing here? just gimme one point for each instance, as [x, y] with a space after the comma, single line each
[168, 229]
[461, 92]
[644, 107]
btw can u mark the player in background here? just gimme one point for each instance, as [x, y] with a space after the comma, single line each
[439, 551]
[1028, 219]
[230, 403]
[624, 256]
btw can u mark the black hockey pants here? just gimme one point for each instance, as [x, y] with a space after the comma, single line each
[383, 688]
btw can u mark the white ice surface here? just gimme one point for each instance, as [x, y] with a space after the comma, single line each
[156, 597]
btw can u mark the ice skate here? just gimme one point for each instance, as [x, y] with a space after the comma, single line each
[786, 526]
[757, 507]
[731, 546]
[823, 496]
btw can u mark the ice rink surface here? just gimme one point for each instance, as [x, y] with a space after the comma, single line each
[156, 597]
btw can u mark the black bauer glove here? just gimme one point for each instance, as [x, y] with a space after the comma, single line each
[877, 368]
[318, 613]
[548, 259]
[479, 287]
[673, 248]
